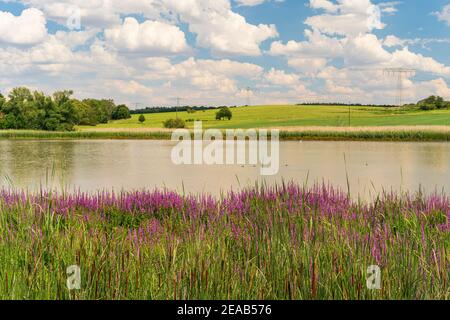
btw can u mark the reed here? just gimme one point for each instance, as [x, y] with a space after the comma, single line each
[350, 135]
[281, 242]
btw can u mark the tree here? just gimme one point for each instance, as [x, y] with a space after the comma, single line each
[121, 112]
[141, 118]
[224, 112]
[447, 105]
[19, 110]
[85, 114]
[431, 103]
[2, 101]
[65, 110]
[103, 109]
[26, 110]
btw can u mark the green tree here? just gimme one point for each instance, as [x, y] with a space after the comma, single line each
[121, 112]
[141, 118]
[447, 104]
[431, 103]
[65, 110]
[26, 110]
[224, 113]
[85, 114]
[103, 109]
[2, 101]
[19, 110]
[46, 111]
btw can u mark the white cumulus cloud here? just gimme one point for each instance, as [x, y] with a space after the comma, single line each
[27, 29]
[149, 37]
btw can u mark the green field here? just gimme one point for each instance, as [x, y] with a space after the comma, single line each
[294, 122]
[294, 116]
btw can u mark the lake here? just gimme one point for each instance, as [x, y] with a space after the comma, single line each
[130, 164]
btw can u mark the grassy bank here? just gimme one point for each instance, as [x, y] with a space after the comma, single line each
[285, 242]
[386, 134]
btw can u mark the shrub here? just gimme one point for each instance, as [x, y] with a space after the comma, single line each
[427, 106]
[174, 123]
[141, 118]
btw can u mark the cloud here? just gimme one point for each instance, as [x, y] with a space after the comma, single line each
[251, 3]
[216, 25]
[219, 28]
[364, 50]
[27, 29]
[417, 61]
[309, 66]
[149, 37]
[444, 15]
[140, 51]
[96, 13]
[393, 41]
[348, 17]
[280, 77]
[323, 4]
[317, 45]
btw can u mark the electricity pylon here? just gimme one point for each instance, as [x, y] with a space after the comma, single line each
[400, 74]
[249, 92]
[178, 99]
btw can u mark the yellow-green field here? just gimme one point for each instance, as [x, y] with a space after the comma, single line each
[294, 116]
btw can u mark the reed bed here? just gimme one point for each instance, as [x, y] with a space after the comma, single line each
[281, 242]
[308, 134]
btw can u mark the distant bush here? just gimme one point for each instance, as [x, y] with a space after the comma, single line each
[224, 113]
[174, 123]
[427, 106]
[141, 118]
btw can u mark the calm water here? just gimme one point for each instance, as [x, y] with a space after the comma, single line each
[92, 165]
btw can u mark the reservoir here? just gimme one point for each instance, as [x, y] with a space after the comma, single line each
[90, 165]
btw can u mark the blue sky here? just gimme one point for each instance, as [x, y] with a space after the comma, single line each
[208, 51]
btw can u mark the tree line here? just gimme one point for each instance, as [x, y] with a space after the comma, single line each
[189, 109]
[433, 103]
[24, 109]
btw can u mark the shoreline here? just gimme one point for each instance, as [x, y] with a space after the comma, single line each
[385, 133]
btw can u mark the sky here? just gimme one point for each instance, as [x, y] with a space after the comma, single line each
[224, 52]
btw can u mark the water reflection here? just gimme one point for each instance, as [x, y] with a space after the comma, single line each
[92, 165]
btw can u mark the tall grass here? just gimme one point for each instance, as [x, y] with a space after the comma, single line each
[283, 242]
[31, 134]
[407, 135]
[394, 135]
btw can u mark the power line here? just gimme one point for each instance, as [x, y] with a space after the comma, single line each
[400, 74]
[136, 105]
[178, 99]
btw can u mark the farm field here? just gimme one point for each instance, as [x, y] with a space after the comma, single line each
[293, 116]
